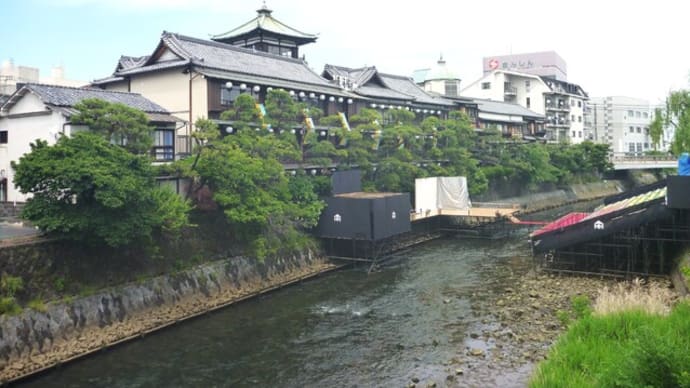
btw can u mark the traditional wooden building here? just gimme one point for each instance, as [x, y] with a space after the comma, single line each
[199, 78]
[512, 120]
[267, 34]
[383, 91]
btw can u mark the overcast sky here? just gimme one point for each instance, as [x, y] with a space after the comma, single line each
[632, 48]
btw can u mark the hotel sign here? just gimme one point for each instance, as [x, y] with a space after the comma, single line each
[510, 65]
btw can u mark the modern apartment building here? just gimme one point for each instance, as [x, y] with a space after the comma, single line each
[562, 103]
[623, 123]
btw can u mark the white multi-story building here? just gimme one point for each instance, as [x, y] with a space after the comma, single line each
[623, 123]
[562, 103]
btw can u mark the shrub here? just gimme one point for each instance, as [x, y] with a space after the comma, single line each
[8, 305]
[37, 305]
[59, 284]
[10, 285]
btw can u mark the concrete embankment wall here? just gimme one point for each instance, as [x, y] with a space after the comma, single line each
[580, 192]
[38, 339]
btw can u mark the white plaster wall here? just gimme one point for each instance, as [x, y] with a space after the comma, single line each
[170, 89]
[577, 123]
[495, 93]
[535, 92]
[435, 86]
[21, 132]
[30, 103]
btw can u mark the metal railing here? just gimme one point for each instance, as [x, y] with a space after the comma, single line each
[640, 157]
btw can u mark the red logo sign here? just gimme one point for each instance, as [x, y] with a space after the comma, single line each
[493, 64]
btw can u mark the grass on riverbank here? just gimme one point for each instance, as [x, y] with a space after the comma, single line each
[622, 344]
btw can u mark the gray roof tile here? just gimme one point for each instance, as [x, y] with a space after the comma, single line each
[406, 85]
[67, 97]
[386, 85]
[381, 92]
[508, 108]
[127, 62]
[237, 62]
[264, 21]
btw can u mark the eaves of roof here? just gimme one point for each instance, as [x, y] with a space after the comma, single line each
[274, 82]
[154, 67]
[372, 91]
[107, 80]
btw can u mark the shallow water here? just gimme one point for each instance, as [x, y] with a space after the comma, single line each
[345, 329]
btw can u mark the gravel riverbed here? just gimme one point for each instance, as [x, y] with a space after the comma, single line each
[514, 327]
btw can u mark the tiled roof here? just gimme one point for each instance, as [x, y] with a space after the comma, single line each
[361, 80]
[357, 77]
[558, 86]
[376, 91]
[406, 85]
[127, 62]
[506, 108]
[107, 80]
[264, 21]
[67, 97]
[237, 63]
[227, 57]
[153, 67]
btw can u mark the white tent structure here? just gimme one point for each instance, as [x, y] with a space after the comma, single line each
[432, 195]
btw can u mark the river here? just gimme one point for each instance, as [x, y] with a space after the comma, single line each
[410, 320]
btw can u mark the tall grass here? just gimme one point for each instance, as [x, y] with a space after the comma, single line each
[653, 298]
[632, 339]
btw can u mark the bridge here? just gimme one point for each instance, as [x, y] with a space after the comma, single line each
[626, 161]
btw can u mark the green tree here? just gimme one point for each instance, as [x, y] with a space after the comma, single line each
[395, 175]
[656, 128]
[118, 123]
[282, 112]
[86, 189]
[677, 116]
[262, 205]
[243, 113]
[321, 152]
[364, 138]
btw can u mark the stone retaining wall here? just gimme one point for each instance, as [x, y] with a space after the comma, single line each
[580, 192]
[35, 340]
[10, 211]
